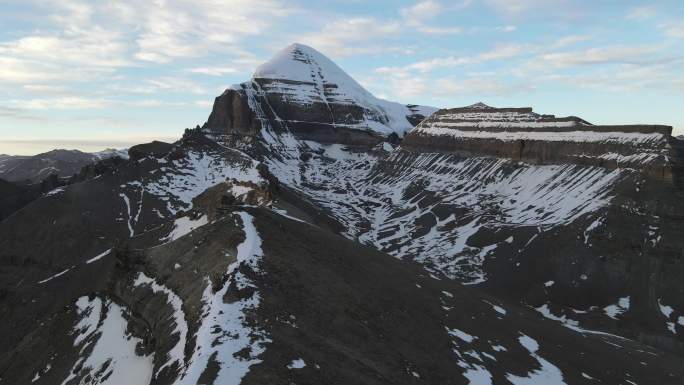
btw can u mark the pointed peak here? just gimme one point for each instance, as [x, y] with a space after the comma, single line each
[297, 62]
[301, 47]
[300, 63]
[480, 106]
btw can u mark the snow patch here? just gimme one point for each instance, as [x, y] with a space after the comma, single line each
[463, 336]
[297, 364]
[615, 310]
[50, 278]
[99, 256]
[478, 375]
[112, 359]
[666, 310]
[548, 374]
[54, 191]
[89, 312]
[496, 308]
[185, 225]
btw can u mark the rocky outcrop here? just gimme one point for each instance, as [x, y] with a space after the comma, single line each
[231, 115]
[225, 196]
[154, 149]
[520, 134]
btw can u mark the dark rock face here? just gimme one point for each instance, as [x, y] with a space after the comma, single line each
[14, 196]
[231, 115]
[154, 149]
[231, 118]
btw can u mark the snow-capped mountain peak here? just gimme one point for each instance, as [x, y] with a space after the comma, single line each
[311, 95]
[301, 63]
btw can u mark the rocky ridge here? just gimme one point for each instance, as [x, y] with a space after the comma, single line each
[62, 163]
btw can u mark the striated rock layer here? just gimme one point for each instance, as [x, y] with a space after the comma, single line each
[302, 89]
[521, 134]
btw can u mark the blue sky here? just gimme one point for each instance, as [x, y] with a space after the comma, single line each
[95, 74]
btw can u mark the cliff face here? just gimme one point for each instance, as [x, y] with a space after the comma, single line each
[520, 134]
[231, 115]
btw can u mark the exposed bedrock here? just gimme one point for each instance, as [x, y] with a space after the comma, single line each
[320, 122]
[520, 134]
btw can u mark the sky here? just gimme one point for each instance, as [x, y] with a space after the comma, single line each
[96, 74]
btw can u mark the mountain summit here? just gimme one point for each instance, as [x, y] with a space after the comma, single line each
[301, 63]
[313, 98]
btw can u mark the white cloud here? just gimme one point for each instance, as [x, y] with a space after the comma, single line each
[500, 51]
[602, 55]
[213, 71]
[422, 10]
[350, 36]
[420, 16]
[507, 28]
[79, 40]
[673, 29]
[623, 79]
[398, 84]
[504, 51]
[94, 47]
[439, 30]
[72, 54]
[570, 40]
[529, 9]
[160, 85]
[480, 86]
[406, 85]
[512, 7]
[435, 63]
[642, 12]
[89, 102]
[14, 70]
[183, 29]
[62, 103]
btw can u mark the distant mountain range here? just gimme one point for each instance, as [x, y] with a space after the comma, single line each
[312, 233]
[63, 163]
